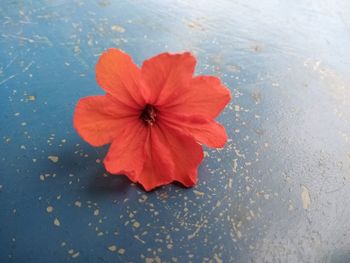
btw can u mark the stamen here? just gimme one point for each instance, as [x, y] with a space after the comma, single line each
[149, 114]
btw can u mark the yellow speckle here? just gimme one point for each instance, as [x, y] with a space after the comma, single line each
[42, 177]
[71, 251]
[56, 222]
[121, 251]
[136, 224]
[305, 197]
[31, 98]
[53, 158]
[49, 209]
[96, 212]
[77, 203]
[118, 28]
[198, 193]
[75, 255]
[112, 248]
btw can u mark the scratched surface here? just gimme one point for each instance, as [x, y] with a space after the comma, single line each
[278, 192]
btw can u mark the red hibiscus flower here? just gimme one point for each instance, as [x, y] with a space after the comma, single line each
[155, 117]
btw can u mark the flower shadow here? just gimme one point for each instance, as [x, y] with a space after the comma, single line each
[95, 181]
[111, 185]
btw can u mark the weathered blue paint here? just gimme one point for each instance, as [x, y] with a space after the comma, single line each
[279, 190]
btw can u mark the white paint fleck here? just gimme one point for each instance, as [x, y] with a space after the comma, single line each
[118, 28]
[305, 197]
[56, 222]
[53, 158]
[121, 251]
[217, 259]
[112, 248]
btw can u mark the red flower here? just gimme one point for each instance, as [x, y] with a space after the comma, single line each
[155, 117]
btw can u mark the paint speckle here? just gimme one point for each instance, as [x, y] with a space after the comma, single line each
[136, 224]
[77, 203]
[53, 158]
[305, 197]
[198, 193]
[218, 259]
[143, 198]
[118, 28]
[56, 222]
[31, 97]
[112, 248]
[49, 209]
[121, 251]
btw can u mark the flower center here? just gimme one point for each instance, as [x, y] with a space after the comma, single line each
[149, 114]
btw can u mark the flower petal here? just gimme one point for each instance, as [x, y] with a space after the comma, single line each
[186, 155]
[167, 75]
[173, 156]
[205, 96]
[159, 167]
[126, 154]
[118, 75]
[204, 130]
[98, 118]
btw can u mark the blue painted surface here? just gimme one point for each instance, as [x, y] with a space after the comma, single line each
[279, 190]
